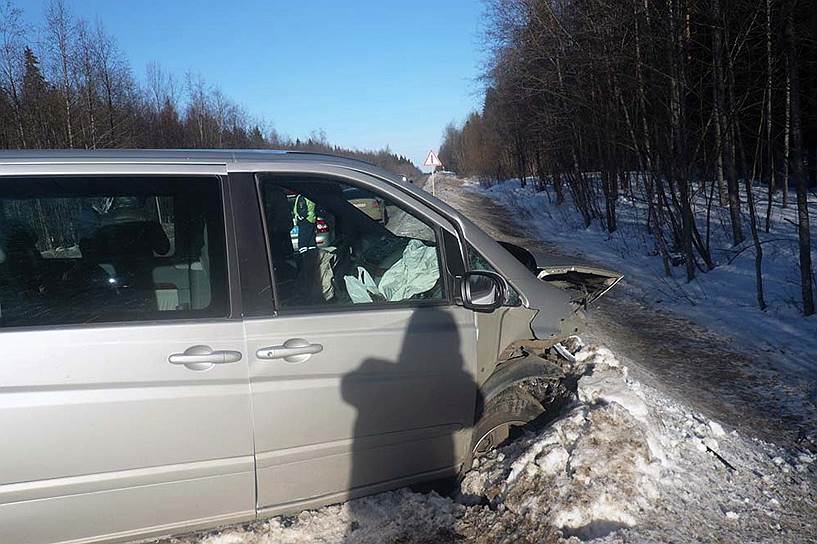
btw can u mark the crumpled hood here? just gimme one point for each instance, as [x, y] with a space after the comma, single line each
[574, 283]
[588, 281]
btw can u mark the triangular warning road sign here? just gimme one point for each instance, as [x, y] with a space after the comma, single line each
[432, 160]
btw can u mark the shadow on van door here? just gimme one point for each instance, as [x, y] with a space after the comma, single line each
[408, 413]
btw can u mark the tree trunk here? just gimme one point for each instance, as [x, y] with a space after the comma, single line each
[750, 199]
[646, 147]
[787, 138]
[723, 197]
[557, 186]
[91, 115]
[109, 101]
[717, 108]
[680, 164]
[727, 125]
[761, 301]
[769, 141]
[803, 227]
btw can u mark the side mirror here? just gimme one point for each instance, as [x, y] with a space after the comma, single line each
[483, 291]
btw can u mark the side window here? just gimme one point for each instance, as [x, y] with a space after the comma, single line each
[332, 244]
[477, 262]
[83, 250]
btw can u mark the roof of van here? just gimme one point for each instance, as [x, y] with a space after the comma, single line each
[184, 156]
[170, 155]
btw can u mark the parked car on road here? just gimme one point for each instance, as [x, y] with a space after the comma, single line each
[368, 203]
[182, 367]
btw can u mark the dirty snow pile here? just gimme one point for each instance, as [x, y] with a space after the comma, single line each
[625, 463]
[621, 464]
[596, 469]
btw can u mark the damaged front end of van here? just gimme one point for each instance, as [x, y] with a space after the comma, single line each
[535, 372]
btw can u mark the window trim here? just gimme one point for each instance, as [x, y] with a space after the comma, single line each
[232, 303]
[234, 300]
[278, 310]
[452, 276]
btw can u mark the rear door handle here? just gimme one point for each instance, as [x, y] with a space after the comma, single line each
[204, 357]
[294, 350]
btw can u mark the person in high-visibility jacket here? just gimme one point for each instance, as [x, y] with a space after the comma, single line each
[308, 280]
[305, 218]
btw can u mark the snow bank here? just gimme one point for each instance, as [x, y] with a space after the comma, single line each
[599, 465]
[625, 463]
[398, 516]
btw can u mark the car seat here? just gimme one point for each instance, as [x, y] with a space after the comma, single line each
[20, 271]
[129, 243]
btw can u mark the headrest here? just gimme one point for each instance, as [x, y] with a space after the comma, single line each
[17, 239]
[133, 240]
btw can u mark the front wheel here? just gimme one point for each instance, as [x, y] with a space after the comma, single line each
[511, 408]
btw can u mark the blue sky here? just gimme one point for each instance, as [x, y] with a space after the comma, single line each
[370, 73]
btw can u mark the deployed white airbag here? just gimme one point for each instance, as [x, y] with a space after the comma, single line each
[362, 287]
[415, 273]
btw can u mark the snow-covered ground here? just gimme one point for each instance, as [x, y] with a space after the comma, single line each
[723, 299]
[622, 464]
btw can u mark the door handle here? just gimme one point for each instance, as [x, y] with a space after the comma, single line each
[204, 358]
[294, 350]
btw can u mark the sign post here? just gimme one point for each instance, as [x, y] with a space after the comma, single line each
[433, 161]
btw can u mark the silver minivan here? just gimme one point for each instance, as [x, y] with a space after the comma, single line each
[171, 362]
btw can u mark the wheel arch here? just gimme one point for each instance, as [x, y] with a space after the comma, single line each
[513, 372]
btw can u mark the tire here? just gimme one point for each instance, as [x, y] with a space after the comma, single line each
[511, 408]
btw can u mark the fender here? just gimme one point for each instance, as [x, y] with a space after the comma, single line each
[514, 371]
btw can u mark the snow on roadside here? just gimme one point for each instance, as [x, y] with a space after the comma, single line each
[596, 469]
[397, 516]
[722, 300]
[627, 464]
[622, 464]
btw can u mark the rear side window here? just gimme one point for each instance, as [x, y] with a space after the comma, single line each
[85, 250]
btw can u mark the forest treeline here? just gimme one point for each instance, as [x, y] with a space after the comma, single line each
[707, 100]
[67, 84]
